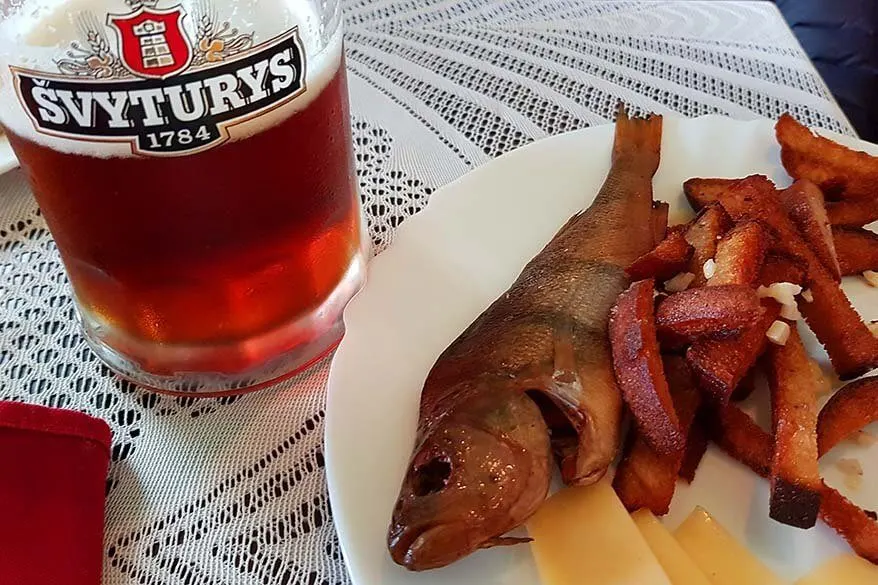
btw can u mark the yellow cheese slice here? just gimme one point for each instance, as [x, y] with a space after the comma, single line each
[719, 556]
[843, 570]
[679, 567]
[584, 536]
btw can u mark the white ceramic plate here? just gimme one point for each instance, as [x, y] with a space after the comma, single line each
[449, 263]
[8, 161]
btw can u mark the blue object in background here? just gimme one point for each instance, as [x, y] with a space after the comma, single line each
[841, 38]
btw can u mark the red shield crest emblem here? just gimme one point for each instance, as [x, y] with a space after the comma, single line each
[152, 42]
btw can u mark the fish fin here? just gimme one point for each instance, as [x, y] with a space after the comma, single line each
[564, 355]
[638, 141]
[505, 541]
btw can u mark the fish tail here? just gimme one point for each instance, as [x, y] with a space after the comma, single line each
[638, 141]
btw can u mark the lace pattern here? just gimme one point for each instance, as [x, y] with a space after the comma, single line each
[232, 490]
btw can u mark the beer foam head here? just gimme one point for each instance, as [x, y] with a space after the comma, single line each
[60, 37]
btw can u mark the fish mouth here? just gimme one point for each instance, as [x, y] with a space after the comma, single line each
[414, 547]
[479, 474]
[409, 542]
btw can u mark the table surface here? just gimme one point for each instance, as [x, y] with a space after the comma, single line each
[232, 490]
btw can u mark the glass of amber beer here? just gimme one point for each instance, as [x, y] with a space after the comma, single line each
[193, 161]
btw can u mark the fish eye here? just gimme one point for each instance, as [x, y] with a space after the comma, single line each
[432, 476]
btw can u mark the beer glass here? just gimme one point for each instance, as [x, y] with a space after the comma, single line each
[193, 161]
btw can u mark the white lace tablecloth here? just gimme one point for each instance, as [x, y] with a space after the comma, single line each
[218, 491]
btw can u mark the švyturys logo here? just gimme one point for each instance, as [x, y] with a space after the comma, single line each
[152, 42]
[158, 88]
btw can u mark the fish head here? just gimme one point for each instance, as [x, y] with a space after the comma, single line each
[478, 473]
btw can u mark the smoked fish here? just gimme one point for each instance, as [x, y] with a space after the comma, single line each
[530, 378]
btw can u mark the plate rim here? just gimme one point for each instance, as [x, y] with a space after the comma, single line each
[425, 214]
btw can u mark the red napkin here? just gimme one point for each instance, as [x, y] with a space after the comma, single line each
[53, 469]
